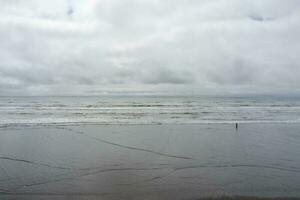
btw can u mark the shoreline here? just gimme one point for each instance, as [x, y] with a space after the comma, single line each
[29, 125]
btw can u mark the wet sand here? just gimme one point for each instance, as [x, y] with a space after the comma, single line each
[149, 161]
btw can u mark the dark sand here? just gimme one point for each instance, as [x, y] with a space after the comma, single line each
[150, 161]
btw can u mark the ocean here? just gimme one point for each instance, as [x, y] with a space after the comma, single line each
[147, 110]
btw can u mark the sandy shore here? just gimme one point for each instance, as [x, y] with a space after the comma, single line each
[249, 198]
[149, 161]
[92, 197]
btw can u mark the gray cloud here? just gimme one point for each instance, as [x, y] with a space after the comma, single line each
[177, 46]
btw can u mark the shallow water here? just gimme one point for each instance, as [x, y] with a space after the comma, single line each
[167, 161]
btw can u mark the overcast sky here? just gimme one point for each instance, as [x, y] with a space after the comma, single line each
[92, 47]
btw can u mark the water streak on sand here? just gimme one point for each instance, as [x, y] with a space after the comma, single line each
[126, 146]
[291, 169]
[74, 176]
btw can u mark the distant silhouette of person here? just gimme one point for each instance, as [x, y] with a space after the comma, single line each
[236, 126]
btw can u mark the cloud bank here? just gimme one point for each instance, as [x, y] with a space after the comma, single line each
[78, 47]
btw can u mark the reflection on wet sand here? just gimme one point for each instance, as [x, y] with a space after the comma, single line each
[149, 161]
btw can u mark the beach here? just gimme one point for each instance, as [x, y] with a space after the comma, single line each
[153, 161]
[149, 100]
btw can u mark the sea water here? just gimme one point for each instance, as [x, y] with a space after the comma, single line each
[148, 110]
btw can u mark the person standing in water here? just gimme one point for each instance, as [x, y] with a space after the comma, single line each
[236, 126]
